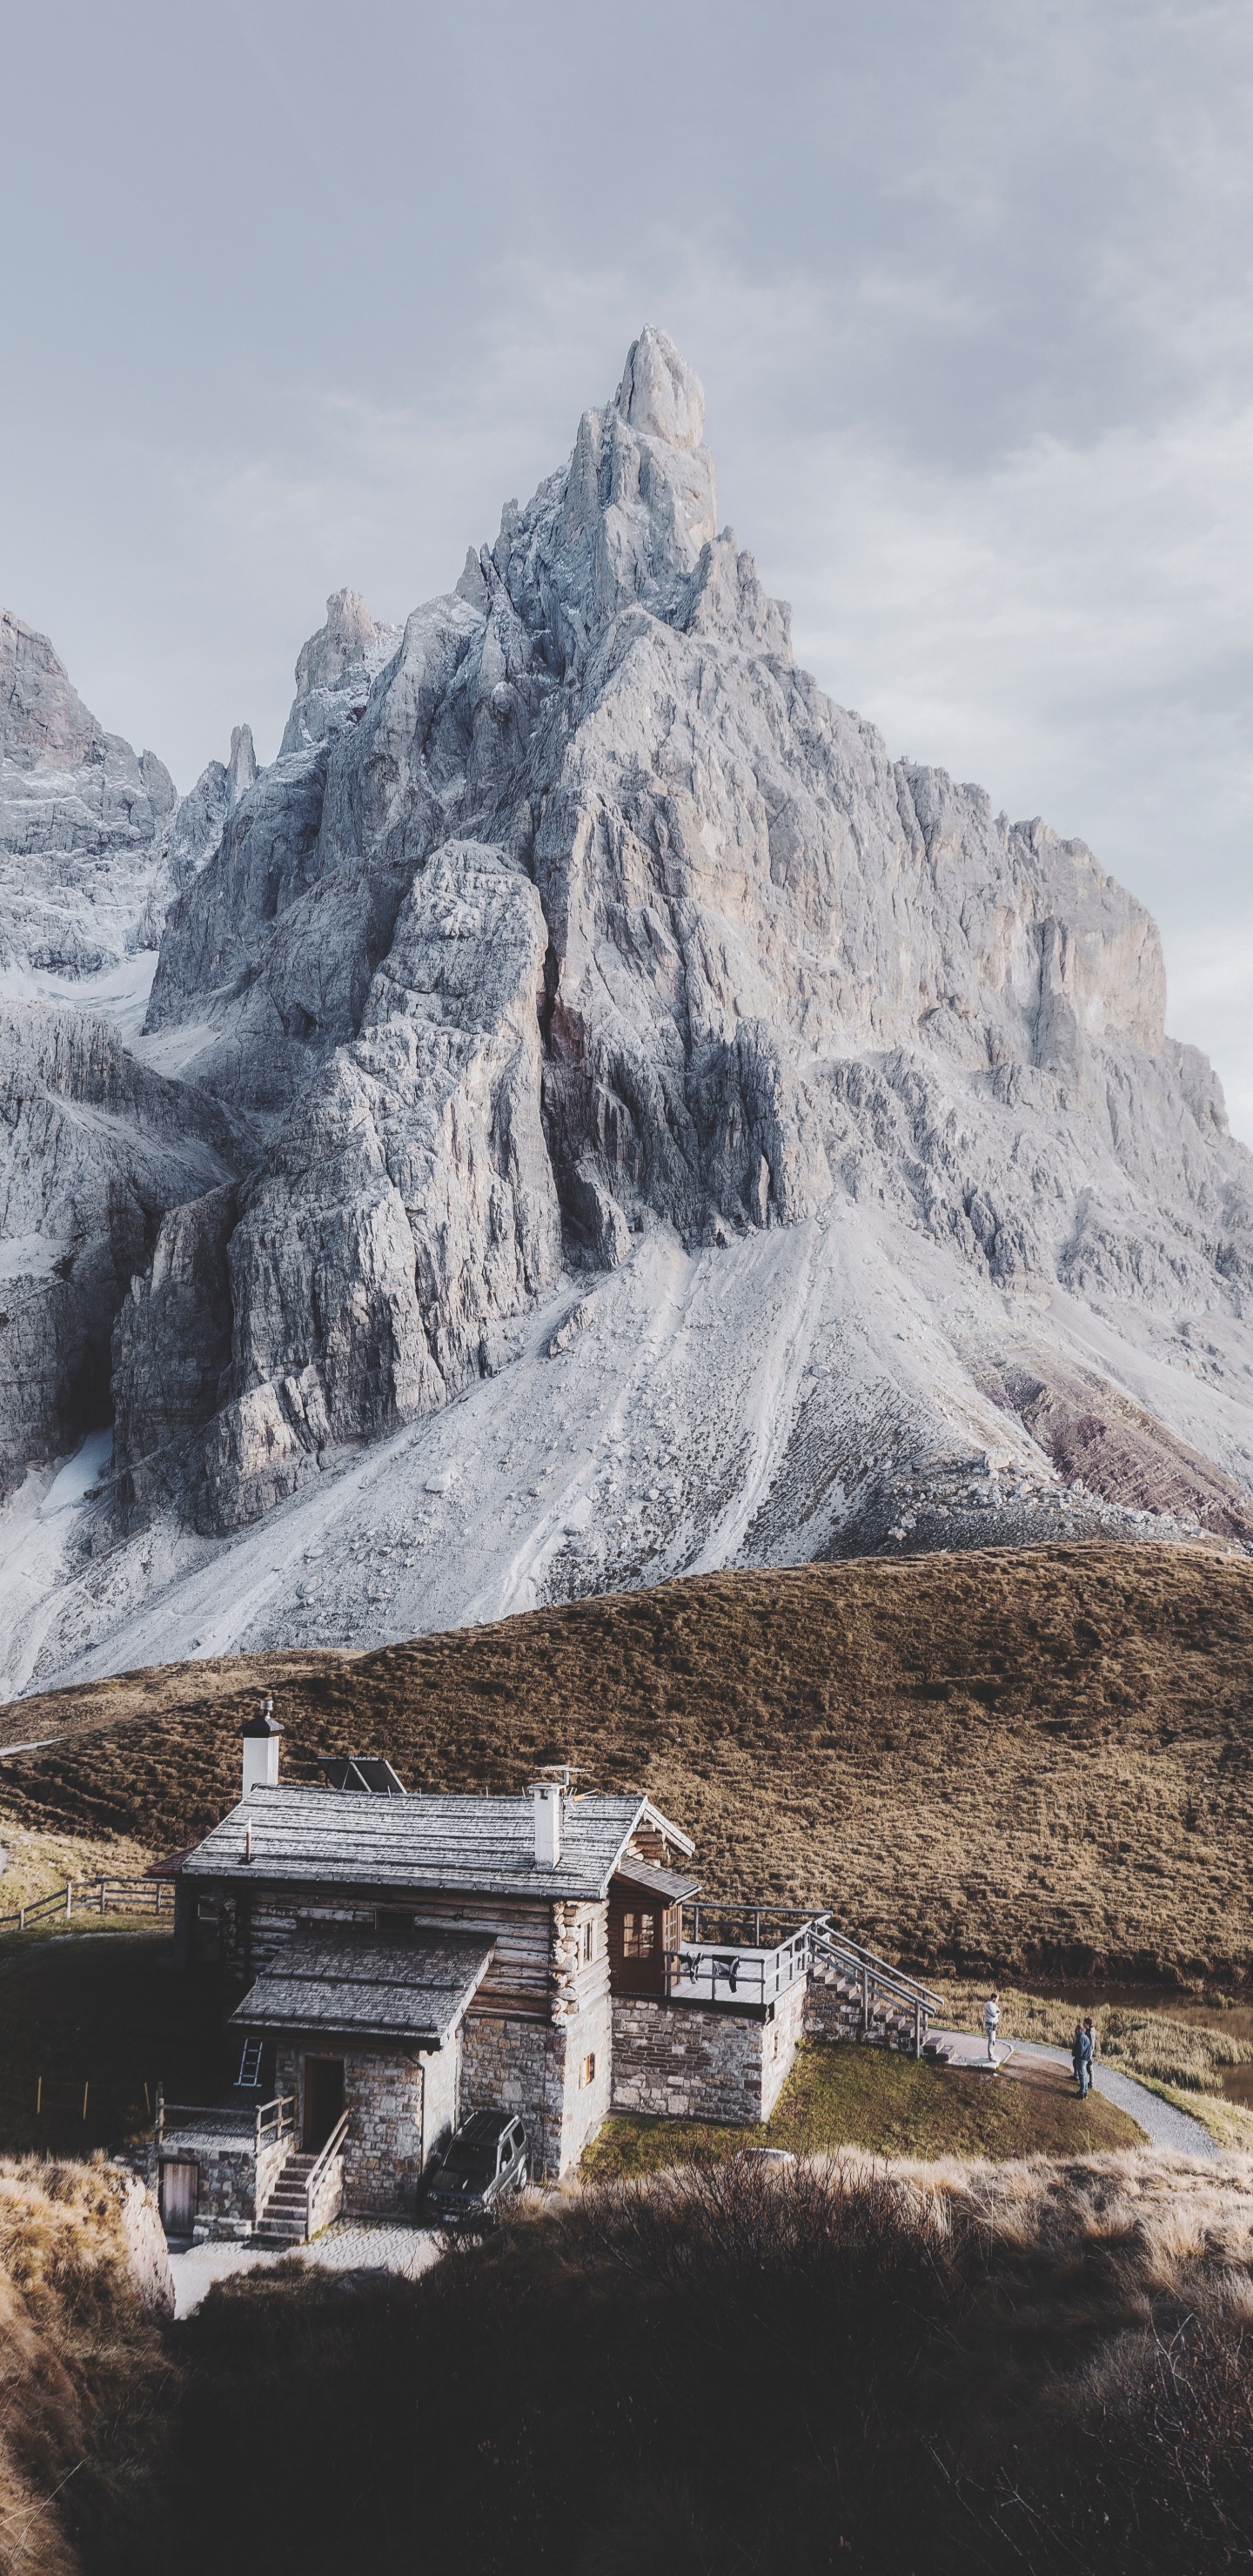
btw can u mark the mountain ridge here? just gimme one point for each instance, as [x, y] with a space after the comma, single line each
[580, 983]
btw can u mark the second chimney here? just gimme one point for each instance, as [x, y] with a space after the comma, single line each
[261, 1736]
[546, 1797]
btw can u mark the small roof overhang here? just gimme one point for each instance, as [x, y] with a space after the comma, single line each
[665, 1883]
[368, 1985]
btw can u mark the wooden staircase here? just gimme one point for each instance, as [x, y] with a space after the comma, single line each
[284, 2217]
[874, 2000]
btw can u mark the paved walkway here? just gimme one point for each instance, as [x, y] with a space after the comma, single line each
[1162, 2124]
[347, 2245]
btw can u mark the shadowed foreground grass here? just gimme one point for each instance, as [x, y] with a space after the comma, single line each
[107, 2012]
[754, 2371]
[1032, 1760]
[953, 2370]
[888, 2104]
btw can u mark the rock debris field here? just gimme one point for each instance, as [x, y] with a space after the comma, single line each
[583, 1112]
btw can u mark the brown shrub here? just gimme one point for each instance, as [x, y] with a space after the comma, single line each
[832, 2364]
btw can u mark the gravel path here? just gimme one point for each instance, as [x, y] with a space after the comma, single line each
[1162, 2124]
[347, 2245]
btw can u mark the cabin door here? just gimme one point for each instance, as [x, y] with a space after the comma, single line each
[180, 2196]
[324, 2100]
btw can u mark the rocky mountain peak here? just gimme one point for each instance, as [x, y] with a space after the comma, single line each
[241, 768]
[42, 717]
[85, 826]
[756, 1134]
[340, 645]
[660, 395]
[335, 668]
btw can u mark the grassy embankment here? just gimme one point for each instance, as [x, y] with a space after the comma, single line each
[883, 2103]
[85, 2373]
[1027, 1761]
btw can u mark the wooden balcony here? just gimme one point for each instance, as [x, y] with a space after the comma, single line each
[740, 1956]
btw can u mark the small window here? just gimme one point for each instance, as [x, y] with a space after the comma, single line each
[587, 2071]
[637, 1935]
[207, 1909]
[588, 1941]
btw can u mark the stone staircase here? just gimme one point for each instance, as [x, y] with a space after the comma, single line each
[284, 2216]
[853, 1994]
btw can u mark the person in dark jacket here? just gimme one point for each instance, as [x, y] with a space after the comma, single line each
[1087, 2051]
[1074, 2049]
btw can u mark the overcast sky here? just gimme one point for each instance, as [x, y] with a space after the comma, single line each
[296, 296]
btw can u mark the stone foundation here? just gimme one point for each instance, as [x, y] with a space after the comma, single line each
[536, 2068]
[702, 2062]
[831, 2015]
[227, 2167]
[383, 2149]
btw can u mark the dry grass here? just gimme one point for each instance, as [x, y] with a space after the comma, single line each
[81, 2368]
[1036, 1759]
[37, 1860]
[1190, 2056]
[963, 2370]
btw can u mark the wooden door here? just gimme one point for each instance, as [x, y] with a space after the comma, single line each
[324, 2100]
[180, 2196]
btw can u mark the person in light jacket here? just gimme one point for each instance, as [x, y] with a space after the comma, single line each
[992, 2023]
[1085, 2054]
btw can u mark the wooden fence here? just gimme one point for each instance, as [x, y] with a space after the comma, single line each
[154, 1896]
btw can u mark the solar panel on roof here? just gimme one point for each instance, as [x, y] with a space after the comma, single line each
[366, 1771]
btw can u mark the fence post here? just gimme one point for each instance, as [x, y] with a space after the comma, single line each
[69, 1901]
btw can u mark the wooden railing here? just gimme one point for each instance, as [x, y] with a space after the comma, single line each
[881, 1986]
[320, 2172]
[153, 1896]
[712, 1968]
[742, 1975]
[276, 2121]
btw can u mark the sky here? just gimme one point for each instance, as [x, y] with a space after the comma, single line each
[297, 296]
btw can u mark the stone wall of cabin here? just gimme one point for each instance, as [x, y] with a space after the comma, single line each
[441, 2092]
[225, 2204]
[556, 2076]
[383, 2096]
[681, 2061]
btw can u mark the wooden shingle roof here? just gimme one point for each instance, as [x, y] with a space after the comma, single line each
[353, 1984]
[329, 1837]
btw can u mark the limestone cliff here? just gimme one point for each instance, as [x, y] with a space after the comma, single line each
[574, 936]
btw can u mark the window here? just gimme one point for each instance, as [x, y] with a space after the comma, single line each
[588, 1941]
[587, 2071]
[638, 1932]
[207, 1909]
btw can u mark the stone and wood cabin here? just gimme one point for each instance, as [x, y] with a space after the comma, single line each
[391, 1962]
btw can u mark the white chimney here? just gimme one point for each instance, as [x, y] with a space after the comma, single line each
[261, 1736]
[546, 1798]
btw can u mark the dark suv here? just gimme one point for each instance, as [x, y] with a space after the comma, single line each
[485, 2158]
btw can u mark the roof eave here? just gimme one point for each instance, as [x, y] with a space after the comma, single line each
[682, 1842]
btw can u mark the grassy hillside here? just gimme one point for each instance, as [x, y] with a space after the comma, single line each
[1029, 1760]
